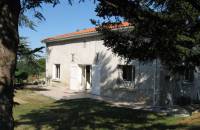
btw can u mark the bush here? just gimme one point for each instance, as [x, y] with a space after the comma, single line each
[21, 76]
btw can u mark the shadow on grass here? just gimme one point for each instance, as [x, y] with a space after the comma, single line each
[81, 114]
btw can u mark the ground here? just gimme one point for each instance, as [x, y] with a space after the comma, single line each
[33, 111]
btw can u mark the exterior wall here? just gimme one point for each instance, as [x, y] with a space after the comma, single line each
[91, 51]
[141, 90]
[178, 89]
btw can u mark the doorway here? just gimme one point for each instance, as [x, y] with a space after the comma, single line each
[86, 77]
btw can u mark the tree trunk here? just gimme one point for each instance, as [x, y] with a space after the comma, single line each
[9, 14]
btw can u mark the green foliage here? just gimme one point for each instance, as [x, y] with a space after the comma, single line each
[20, 76]
[25, 21]
[29, 61]
[168, 30]
[35, 7]
[25, 52]
[41, 63]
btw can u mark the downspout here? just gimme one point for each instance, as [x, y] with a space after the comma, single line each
[155, 82]
[139, 76]
[46, 65]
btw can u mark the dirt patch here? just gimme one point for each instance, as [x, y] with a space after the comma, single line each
[194, 119]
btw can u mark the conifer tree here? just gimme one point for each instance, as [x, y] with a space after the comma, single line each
[168, 30]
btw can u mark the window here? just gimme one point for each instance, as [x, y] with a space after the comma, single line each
[126, 72]
[189, 75]
[57, 71]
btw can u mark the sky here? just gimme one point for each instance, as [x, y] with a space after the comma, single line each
[61, 19]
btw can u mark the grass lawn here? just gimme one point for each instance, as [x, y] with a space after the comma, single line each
[36, 112]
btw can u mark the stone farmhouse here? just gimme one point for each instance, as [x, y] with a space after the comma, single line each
[79, 61]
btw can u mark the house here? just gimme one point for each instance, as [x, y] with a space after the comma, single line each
[79, 61]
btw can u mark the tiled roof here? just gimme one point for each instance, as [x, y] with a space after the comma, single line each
[85, 31]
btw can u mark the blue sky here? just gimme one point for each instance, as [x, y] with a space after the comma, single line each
[59, 20]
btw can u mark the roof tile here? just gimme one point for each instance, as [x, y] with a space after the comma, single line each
[85, 31]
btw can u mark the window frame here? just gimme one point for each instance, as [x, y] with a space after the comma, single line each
[121, 73]
[56, 72]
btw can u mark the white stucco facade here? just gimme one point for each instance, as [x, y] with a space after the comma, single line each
[87, 65]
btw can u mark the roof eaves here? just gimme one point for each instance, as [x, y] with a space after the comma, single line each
[71, 37]
[76, 36]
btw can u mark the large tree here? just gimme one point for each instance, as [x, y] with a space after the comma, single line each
[168, 30]
[10, 12]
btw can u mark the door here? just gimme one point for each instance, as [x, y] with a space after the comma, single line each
[96, 80]
[75, 77]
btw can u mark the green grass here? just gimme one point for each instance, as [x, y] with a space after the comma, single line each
[36, 112]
